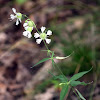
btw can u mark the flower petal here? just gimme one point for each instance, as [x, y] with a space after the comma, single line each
[26, 27]
[49, 32]
[25, 24]
[17, 22]
[43, 29]
[12, 16]
[14, 10]
[38, 41]
[48, 40]
[36, 35]
[27, 34]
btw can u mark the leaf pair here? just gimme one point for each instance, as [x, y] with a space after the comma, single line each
[62, 78]
[73, 83]
[73, 79]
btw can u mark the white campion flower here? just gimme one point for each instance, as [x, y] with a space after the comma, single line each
[17, 16]
[28, 24]
[43, 35]
[28, 31]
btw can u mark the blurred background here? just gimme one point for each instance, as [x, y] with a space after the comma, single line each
[75, 25]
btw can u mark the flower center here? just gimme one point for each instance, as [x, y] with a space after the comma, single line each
[29, 29]
[19, 15]
[30, 23]
[43, 36]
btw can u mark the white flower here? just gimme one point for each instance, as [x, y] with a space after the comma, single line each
[28, 24]
[17, 16]
[43, 36]
[27, 34]
[28, 31]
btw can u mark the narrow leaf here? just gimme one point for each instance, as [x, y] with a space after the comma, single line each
[62, 78]
[75, 83]
[64, 92]
[79, 75]
[52, 74]
[41, 61]
[53, 63]
[80, 95]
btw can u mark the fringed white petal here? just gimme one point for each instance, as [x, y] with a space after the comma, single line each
[49, 32]
[20, 20]
[36, 35]
[14, 10]
[42, 29]
[38, 41]
[48, 40]
[12, 16]
[25, 24]
[17, 22]
[27, 34]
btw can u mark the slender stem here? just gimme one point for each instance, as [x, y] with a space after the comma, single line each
[54, 61]
[59, 69]
[36, 29]
[46, 45]
[75, 93]
[25, 16]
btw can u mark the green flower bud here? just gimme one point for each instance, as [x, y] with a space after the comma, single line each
[43, 36]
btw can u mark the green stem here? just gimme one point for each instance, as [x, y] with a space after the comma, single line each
[36, 29]
[46, 46]
[54, 61]
[25, 16]
[75, 93]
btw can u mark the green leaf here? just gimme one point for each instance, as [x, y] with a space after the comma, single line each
[64, 92]
[75, 83]
[41, 61]
[77, 76]
[62, 78]
[51, 74]
[80, 95]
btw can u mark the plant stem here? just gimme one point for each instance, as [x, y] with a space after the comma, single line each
[54, 62]
[75, 93]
